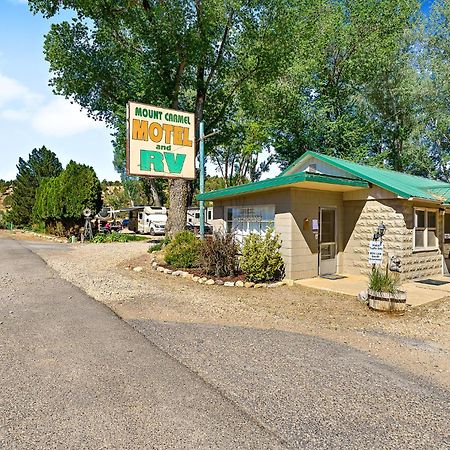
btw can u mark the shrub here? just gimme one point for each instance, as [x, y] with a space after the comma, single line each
[159, 246]
[261, 258]
[183, 251]
[218, 254]
[115, 237]
[382, 281]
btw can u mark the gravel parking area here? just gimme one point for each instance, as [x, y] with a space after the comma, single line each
[418, 342]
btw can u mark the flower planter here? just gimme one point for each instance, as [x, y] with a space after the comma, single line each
[384, 301]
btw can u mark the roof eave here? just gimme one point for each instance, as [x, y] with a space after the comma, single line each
[280, 182]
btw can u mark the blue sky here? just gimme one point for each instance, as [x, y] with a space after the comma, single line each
[31, 115]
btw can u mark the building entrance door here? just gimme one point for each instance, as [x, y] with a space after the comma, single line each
[327, 241]
[446, 243]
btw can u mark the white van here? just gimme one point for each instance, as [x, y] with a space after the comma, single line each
[148, 219]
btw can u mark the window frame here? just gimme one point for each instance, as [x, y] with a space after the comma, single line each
[426, 229]
[241, 235]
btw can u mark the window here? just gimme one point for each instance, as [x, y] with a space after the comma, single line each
[252, 219]
[425, 228]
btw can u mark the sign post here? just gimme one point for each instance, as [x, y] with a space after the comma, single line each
[202, 177]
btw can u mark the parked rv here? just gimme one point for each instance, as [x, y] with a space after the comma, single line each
[148, 219]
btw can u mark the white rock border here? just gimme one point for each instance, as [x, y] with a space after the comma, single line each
[211, 281]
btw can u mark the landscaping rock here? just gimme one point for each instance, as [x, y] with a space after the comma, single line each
[209, 282]
[219, 282]
[168, 271]
[363, 297]
[274, 285]
[155, 265]
[228, 283]
[137, 269]
[203, 279]
[288, 282]
[249, 284]
[176, 273]
[160, 269]
[260, 285]
[239, 283]
[185, 274]
[195, 278]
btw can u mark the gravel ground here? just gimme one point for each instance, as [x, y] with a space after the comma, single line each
[418, 341]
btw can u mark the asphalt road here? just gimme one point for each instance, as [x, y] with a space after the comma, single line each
[74, 375]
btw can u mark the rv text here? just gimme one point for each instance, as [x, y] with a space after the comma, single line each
[157, 161]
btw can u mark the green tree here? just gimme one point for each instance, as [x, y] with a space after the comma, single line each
[42, 163]
[63, 198]
[321, 101]
[436, 138]
[181, 54]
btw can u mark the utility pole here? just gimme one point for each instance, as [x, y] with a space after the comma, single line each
[202, 177]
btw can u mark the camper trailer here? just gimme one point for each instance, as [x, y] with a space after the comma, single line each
[148, 219]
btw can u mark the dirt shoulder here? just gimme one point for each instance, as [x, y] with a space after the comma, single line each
[419, 341]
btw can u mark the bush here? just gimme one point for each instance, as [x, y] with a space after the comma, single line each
[261, 258]
[116, 237]
[183, 252]
[382, 281]
[159, 246]
[218, 254]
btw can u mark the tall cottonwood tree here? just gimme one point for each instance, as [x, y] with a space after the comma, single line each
[344, 50]
[183, 54]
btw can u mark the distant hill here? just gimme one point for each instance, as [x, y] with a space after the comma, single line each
[5, 192]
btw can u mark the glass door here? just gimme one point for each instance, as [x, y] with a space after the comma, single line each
[327, 241]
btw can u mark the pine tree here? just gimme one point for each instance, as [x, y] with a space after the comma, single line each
[42, 163]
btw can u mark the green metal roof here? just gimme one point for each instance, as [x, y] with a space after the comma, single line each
[279, 182]
[402, 184]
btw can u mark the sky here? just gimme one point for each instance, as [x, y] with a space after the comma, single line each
[32, 116]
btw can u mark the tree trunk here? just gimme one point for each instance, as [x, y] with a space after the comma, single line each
[176, 219]
[155, 193]
[178, 193]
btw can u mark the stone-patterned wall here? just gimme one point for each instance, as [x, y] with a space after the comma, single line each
[361, 221]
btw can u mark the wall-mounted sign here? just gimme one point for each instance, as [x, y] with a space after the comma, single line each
[160, 142]
[375, 252]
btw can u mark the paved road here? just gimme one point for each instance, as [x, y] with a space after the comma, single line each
[71, 379]
[73, 375]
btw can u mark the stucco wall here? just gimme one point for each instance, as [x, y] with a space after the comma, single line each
[281, 199]
[305, 205]
[292, 207]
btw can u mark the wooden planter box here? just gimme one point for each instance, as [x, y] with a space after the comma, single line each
[384, 301]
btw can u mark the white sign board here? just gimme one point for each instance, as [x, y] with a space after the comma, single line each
[375, 252]
[160, 142]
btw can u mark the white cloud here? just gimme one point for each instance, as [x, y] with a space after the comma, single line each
[55, 117]
[11, 91]
[60, 118]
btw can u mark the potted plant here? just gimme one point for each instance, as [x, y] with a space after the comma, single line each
[384, 292]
